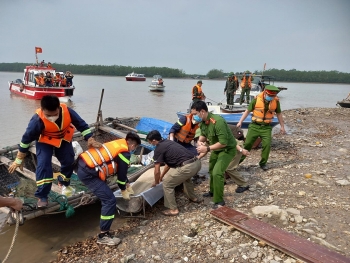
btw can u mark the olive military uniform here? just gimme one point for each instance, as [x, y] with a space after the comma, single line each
[246, 90]
[230, 88]
[263, 131]
[215, 129]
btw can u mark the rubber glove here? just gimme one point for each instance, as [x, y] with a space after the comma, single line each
[94, 144]
[126, 194]
[18, 162]
[129, 189]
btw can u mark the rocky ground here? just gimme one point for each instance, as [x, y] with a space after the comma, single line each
[306, 192]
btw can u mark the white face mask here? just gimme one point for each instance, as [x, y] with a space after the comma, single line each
[52, 118]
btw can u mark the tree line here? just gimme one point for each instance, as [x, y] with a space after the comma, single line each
[292, 75]
[113, 70]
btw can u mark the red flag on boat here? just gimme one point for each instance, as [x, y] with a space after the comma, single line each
[38, 50]
[264, 66]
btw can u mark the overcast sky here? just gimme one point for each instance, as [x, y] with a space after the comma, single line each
[193, 35]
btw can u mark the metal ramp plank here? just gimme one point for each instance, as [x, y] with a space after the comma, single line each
[282, 240]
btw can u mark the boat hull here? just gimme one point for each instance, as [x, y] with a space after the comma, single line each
[159, 88]
[344, 104]
[135, 79]
[36, 93]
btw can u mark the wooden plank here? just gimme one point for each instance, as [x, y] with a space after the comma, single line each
[27, 173]
[282, 240]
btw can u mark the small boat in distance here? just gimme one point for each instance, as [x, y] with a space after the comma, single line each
[135, 77]
[157, 83]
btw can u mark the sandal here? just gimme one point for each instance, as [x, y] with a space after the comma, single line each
[169, 213]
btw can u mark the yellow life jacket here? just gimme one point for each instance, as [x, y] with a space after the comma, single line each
[259, 110]
[54, 134]
[102, 159]
[249, 82]
[187, 133]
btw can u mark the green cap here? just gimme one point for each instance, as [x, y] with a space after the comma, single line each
[247, 71]
[272, 88]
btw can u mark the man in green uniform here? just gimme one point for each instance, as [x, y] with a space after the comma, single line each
[230, 89]
[222, 144]
[246, 85]
[264, 107]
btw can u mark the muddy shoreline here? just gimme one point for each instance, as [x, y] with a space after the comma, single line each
[314, 206]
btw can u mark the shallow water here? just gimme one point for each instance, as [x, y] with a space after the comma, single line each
[39, 238]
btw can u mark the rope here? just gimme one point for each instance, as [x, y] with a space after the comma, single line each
[211, 100]
[14, 237]
[84, 200]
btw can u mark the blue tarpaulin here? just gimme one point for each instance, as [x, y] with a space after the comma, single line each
[146, 125]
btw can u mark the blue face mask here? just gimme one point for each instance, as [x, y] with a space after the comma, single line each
[132, 152]
[197, 118]
[268, 98]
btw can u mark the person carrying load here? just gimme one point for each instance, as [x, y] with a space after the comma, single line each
[52, 127]
[95, 165]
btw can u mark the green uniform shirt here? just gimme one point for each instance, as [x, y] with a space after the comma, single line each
[253, 102]
[217, 132]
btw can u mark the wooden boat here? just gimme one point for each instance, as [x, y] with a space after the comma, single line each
[23, 185]
[135, 77]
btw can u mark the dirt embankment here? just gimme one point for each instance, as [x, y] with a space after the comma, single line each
[314, 206]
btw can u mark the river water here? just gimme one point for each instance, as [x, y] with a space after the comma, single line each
[39, 238]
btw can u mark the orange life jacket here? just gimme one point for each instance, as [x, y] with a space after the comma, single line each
[249, 82]
[63, 82]
[187, 133]
[37, 81]
[52, 133]
[57, 78]
[41, 81]
[200, 92]
[259, 109]
[103, 159]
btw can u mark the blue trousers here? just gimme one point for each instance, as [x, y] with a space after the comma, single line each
[90, 178]
[44, 173]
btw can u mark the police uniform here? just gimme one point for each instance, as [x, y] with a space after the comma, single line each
[261, 129]
[215, 129]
